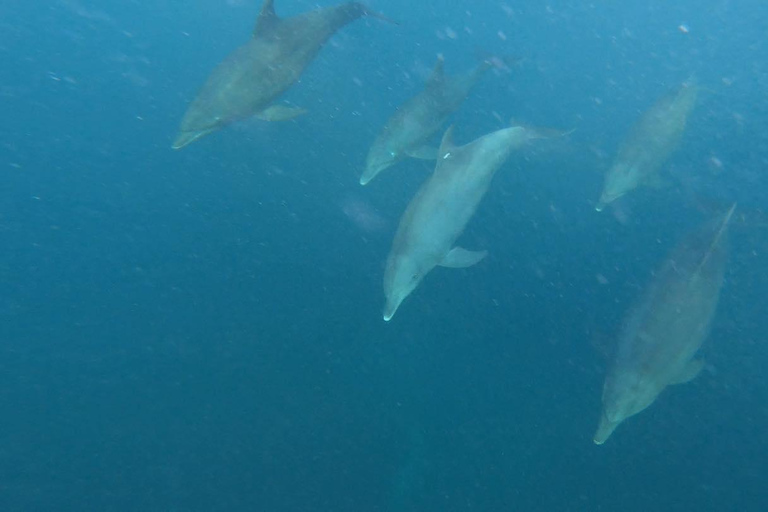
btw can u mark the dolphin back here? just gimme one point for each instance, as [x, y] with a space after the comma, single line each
[348, 12]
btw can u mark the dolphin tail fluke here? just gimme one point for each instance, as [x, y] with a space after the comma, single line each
[539, 132]
[374, 14]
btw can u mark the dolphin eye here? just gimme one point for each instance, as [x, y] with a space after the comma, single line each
[415, 276]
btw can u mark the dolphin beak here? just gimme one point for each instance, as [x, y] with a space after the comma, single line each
[371, 171]
[604, 430]
[606, 199]
[603, 202]
[186, 138]
[368, 174]
[390, 309]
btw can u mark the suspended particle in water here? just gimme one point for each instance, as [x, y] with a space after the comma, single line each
[684, 28]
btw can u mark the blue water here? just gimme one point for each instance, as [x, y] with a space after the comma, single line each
[201, 330]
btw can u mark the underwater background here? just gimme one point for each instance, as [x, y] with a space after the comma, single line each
[201, 330]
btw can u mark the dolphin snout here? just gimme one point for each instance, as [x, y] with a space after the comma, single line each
[368, 174]
[604, 201]
[372, 169]
[607, 198]
[185, 138]
[604, 430]
[390, 309]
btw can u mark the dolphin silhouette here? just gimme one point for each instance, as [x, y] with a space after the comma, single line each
[649, 144]
[439, 212]
[419, 118]
[664, 331]
[247, 81]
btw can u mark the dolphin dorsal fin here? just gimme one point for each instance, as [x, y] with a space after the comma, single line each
[446, 145]
[718, 235]
[438, 74]
[267, 18]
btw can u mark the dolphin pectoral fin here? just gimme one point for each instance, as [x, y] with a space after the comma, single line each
[657, 182]
[280, 113]
[267, 18]
[690, 372]
[423, 153]
[462, 258]
[446, 145]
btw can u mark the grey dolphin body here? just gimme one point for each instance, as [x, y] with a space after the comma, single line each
[418, 119]
[650, 142]
[438, 213]
[255, 74]
[660, 339]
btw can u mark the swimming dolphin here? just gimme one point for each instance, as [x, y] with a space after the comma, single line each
[650, 142]
[419, 118]
[441, 209]
[246, 82]
[662, 334]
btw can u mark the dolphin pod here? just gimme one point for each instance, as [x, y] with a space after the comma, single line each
[659, 343]
[247, 81]
[441, 209]
[649, 144]
[418, 119]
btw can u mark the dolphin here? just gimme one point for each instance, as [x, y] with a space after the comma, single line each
[650, 142]
[442, 207]
[247, 81]
[664, 331]
[419, 118]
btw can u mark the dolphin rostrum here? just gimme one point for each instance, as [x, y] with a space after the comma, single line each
[664, 331]
[650, 142]
[415, 121]
[247, 81]
[441, 209]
